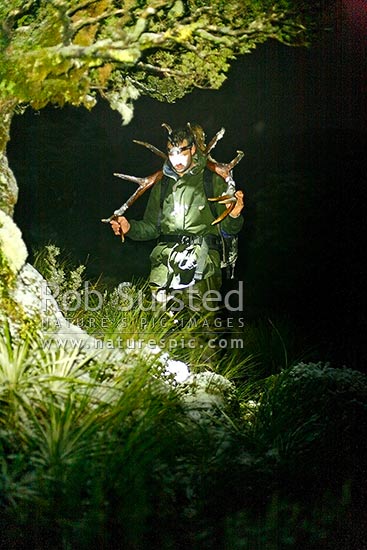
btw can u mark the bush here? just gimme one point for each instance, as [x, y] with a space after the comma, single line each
[309, 421]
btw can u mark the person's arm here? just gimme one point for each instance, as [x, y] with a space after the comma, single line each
[145, 229]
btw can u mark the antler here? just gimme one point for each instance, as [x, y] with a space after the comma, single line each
[225, 171]
[199, 136]
[144, 184]
[152, 148]
[225, 200]
[167, 127]
[213, 142]
[222, 169]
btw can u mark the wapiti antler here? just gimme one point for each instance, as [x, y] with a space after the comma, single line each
[144, 184]
[199, 135]
[151, 148]
[225, 171]
[222, 169]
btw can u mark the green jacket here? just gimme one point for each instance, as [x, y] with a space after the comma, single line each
[185, 211]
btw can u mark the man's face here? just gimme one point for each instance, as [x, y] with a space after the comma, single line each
[180, 157]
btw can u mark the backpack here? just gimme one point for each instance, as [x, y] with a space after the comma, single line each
[229, 243]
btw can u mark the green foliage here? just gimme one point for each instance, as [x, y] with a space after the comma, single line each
[267, 348]
[85, 453]
[65, 51]
[60, 274]
[103, 450]
[110, 449]
[306, 411]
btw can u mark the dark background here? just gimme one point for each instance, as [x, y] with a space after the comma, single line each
[298, 114]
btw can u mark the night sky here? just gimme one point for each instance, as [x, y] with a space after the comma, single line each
[298, 114]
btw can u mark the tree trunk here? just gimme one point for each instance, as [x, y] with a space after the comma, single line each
[8, 184]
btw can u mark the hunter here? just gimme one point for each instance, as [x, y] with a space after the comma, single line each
[186, 262]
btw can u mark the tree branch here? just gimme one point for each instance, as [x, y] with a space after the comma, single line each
[81, 6]
[94, 20]
[156, 69]
[61, 8]
[102, 51]
[7, 24]
[13, 15]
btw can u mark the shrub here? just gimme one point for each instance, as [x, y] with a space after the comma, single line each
[310, 418]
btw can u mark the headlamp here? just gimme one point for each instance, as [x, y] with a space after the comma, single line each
[179, 150]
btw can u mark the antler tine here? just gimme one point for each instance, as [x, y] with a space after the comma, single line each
[144, 185]
[167, 127]
[213, 142]
[223, 199]
[152, 148]
[224, 214]
[199, 135]
[236, 160]
[142, 182]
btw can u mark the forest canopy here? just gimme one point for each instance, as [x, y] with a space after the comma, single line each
[71, 51]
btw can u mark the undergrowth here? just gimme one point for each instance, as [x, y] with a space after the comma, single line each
[255, 449]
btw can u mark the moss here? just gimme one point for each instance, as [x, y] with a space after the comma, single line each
[8, 184]
[12, 248]
[12, 314]
[7, 276]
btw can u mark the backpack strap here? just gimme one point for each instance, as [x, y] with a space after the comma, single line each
[209, 188]
[164, 187]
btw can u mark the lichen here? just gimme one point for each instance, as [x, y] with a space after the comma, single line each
[8, 187]
[13, 252]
